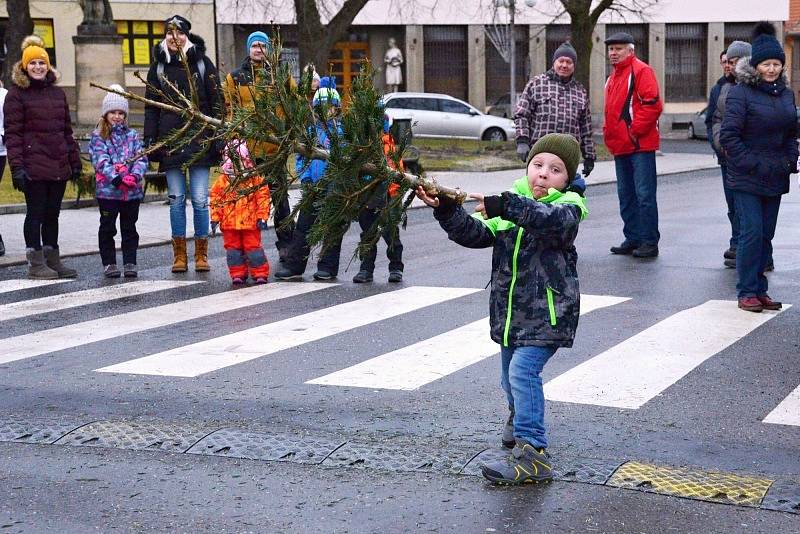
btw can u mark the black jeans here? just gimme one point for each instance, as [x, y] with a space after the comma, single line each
[43, 205]
[394, 248]
[128, 211]
[280, 212]
[298, 250]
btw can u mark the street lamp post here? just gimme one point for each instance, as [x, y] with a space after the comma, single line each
[512, 96]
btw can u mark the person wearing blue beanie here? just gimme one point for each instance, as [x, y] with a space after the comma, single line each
[264, 46]
[765, 45]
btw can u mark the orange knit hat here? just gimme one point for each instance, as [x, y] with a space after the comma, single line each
[33, 48]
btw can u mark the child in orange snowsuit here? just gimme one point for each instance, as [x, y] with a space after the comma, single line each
[241, 217]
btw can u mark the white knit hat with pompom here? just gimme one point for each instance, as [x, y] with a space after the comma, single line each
[114, 102]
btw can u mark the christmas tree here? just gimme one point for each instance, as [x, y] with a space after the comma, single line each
[281, 115]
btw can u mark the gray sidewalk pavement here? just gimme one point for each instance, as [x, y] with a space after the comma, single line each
[78, 227]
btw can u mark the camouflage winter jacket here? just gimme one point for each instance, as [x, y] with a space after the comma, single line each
[535, 298]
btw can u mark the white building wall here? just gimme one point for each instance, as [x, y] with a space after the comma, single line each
[379, 12]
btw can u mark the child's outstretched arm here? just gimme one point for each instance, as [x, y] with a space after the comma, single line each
[538, 218]
[465, 230]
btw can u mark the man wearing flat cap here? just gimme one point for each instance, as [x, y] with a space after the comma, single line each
[632, 108]
[555, 102]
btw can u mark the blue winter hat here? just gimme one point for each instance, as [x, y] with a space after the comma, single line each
[258, 37]
[765, 45]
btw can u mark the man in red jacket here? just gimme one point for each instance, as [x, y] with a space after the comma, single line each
[632, 108]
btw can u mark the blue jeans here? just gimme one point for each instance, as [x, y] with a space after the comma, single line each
[758, 216]
[636, 188]
[731, 208]
[521, 380]
[176, 188]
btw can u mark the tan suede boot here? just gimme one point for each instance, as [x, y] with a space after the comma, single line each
[181, 261]
[201, 255]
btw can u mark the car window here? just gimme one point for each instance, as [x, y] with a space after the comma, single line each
[423, 104]
[398, 103]
[451, 106]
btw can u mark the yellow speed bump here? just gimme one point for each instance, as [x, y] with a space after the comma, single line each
[691, 484]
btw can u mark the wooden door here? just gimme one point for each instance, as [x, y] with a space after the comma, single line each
[346, 61]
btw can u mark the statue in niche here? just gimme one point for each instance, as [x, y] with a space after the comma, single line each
[393, 60]
[96, 13]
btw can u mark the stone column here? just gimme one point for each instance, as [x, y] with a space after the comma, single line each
[597, 76]
[476, 66]
[657, 60]
[715, 37]
[226, 60]
[537, 49]
[415, 58]
[98, 58]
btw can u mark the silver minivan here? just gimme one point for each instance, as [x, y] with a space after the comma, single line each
[437, 115]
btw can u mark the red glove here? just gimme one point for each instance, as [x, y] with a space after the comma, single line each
[130, 181]
[393, 190]
[120, 169]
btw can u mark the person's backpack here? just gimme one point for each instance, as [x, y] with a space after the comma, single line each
[719, 114]
[201, 70]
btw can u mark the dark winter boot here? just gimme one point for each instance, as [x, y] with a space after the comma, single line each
[362, 277]
[526, 464]
[37, 269]
[508, 431]
[53, 258]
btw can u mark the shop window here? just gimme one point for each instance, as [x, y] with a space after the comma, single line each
[686, 59]
[738, 31]
[555, 36]
[44, 29]
[138, 39]
[446, 60]
[498, 72]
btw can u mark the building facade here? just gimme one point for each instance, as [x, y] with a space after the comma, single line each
[140, 22]
[447, 48]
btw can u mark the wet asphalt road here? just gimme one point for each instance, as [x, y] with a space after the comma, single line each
[711, 418]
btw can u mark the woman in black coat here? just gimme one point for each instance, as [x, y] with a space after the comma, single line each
[200, 154]
[759, 139]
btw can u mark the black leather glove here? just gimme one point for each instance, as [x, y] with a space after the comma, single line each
[588, 166]
[494, 205]
[522, 149]
[76, 175]
[156, 155]
[18, 179]
[262, 224]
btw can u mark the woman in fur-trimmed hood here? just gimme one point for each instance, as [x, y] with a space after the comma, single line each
[759, 137]
[200, 154]
[42, 154]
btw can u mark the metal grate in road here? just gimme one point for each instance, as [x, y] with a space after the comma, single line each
[262, 446]
[727, 488]
[40, 430]
[137, 435]
[395, 458]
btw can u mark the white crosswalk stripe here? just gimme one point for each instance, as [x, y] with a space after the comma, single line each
[7, 286]
[416, 365]
[70, 336]
[204, 357]
[628, 375]
[65, 301]
[641, 367]
[787, 412]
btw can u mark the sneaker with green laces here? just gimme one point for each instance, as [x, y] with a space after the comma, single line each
[525, 465]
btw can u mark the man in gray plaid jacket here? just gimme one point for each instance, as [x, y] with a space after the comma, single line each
[555, 102]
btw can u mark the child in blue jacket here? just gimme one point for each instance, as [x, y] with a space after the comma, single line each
[294, 263]
[119, 183]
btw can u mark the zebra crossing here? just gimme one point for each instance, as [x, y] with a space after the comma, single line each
[627, 375]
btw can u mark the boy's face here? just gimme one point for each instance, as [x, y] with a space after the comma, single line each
[546, 170]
